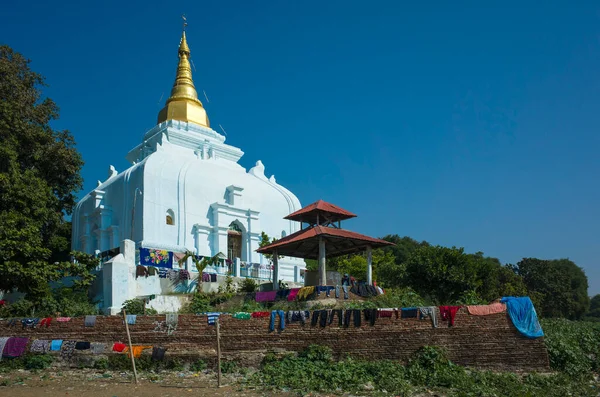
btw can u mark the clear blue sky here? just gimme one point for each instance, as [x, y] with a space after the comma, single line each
[460, 124]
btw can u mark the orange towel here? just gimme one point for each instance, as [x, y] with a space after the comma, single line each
[137, 350]
[484, 310]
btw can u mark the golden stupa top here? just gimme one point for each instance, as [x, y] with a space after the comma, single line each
[183, 104]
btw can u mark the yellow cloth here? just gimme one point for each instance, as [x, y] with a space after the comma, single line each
[305, 292]
[137, 350]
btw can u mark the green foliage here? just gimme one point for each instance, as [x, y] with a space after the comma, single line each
[573, 346]
[560, 287]
[136, 306]
[39, 175]
[63, 300]
[428, 372]
[356, 265]
[248, 285]
[198, 365]
[101, 363]
[230, 367]
[37, 361]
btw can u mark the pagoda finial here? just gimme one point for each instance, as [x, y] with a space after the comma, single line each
[183, 104]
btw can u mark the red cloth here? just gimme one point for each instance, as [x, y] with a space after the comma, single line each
[119, 347]
[448, 313]
[46, 321]
[260, 314]
[385, 313]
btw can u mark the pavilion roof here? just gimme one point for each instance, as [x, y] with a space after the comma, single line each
[327, 212]
[305, 243]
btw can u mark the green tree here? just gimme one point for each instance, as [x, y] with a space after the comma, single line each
[594, 311]
[39, 175]
[559, 286]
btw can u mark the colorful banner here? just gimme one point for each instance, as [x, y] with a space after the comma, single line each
[156, 258]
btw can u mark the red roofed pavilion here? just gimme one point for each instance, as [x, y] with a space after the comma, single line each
[322, 238]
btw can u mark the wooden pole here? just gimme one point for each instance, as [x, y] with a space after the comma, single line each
[130, 347]
[369, 265]
[218, 325]
[275, 271]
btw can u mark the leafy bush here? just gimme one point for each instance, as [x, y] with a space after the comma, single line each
[198, 365]
[248, 285]
[101, 363]
[230, 367]
[37, 361]
[63, 300]
[136, 306]
[573, 346]
[428, 370]
[119, 362]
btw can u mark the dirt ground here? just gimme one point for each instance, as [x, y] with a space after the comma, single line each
[114, 384]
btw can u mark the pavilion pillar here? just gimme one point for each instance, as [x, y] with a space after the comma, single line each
[369, 265]
[275, 271]
[322, 270]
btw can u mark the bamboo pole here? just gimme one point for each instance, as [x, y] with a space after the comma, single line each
[218, 325]
[130, 347]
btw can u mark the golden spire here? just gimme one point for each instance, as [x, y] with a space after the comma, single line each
[183, 104]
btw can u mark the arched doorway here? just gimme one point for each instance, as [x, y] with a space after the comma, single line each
[234, 241]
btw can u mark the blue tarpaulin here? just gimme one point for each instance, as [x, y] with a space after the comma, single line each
[523, 315]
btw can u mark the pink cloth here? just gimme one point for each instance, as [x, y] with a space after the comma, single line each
[177, 256]
[268, 296]
[63, 319]
[484, 310]
[293, 293]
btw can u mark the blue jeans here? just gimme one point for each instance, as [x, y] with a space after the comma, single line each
[274, 314]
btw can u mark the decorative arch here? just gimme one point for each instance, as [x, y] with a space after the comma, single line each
[236, 237]
[170, 217]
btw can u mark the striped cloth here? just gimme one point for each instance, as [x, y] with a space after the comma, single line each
[3, 341]
[212, 316]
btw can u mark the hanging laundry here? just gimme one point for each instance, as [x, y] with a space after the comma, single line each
[212, 317]
[97, 347]
[137, 350]
[356, 314]
[315, 317]
[172, 318]
[178, 257]
[56, 344]
[90, 321]
[131, 319]
[3, 341]
[409, 312]
[323, 317]
[484, 310]
[82, 346]
[157, 258]
[141, 271]
[119, 347]
[14, 347]
[242, 316]
[305, 292]
[46, 321]
[293, 293]
[370, 316]
[158, 353]
[431, 312]
[63, 319]
[213, 277]
[40, 346]
[67, 348]
[386, 313]
[447, 313]
[30, 322]
[522, 313]
[281, 315]
[333, 313]
[12, 322]
[152, 271]
[260, 314]
[297, 315]
[347, 315]
[282, 294]
[205, 278]
[268, 296]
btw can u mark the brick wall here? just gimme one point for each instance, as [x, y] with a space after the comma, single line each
[478, 341]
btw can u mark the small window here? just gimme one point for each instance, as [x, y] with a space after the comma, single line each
[170, 217]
